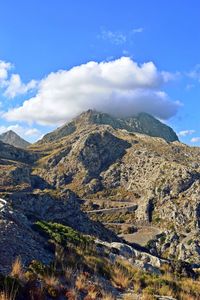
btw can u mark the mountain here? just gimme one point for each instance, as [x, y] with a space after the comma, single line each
[100, 157]
[141, 123]
[12, 138]
[107, 196]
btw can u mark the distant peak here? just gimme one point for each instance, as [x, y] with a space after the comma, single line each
[12, 138]
[10, 132]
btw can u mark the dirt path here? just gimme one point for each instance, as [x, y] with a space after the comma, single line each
[142, 236]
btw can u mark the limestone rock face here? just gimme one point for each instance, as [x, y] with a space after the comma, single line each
[106, 157]
[134, 160]
[100, 150]
[12, 153]
[18, 239]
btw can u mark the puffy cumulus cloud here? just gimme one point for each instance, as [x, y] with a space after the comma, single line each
[120, 87]
[4, 69]
[195, 140]
[16, 87]
[186, 132]
[22, 131]
[11, 84]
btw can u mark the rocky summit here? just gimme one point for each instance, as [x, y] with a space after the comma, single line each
[126, 186]
[12, 138]
[141, 123]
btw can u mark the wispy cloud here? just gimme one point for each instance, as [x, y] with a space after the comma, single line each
[138, 30]
[195, 73]
[119, 37]
[189, 86]
[195, 139]
[115, 37]
[186, 132]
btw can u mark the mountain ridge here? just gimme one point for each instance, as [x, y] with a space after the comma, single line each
[141, 123]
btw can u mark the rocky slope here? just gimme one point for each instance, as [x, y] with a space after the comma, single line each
[135, 160]
[103, 161]
[12, 138]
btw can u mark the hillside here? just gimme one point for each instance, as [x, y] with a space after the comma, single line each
[122, 193]
[101, 161]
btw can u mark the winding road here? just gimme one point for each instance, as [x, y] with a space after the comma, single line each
[129, 208]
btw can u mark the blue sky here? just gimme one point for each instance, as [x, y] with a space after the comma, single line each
[38, 38]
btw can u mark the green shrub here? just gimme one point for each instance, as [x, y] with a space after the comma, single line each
[62, 234]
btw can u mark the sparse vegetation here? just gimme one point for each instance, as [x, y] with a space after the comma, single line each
[77, 273]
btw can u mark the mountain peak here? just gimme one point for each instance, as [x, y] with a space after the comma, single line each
[12, 138]
[141, 123]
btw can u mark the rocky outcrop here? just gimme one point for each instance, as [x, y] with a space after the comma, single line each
[17, 239]
[100, 150]
[12, 153]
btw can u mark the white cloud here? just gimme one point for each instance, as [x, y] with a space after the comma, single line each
[186, 132]
[125, 52]
[11, 84]
[22, 131]
[4, 69]
[16, 87]
[32, 132]
[115, 37]
[120, 87]
[195, 140]
[118, 37]
[195, 73]
[138, 30]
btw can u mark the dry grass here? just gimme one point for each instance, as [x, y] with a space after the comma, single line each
[72, 294]
[146, 296]
[81, 282]
[184, 296]
[191, 287]
[120, 278]
[166, 291]
[51, 280]
[92, 293]
[5, 296]
[107, 296]
[69, 274]
[8, 295]
[17, 269]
